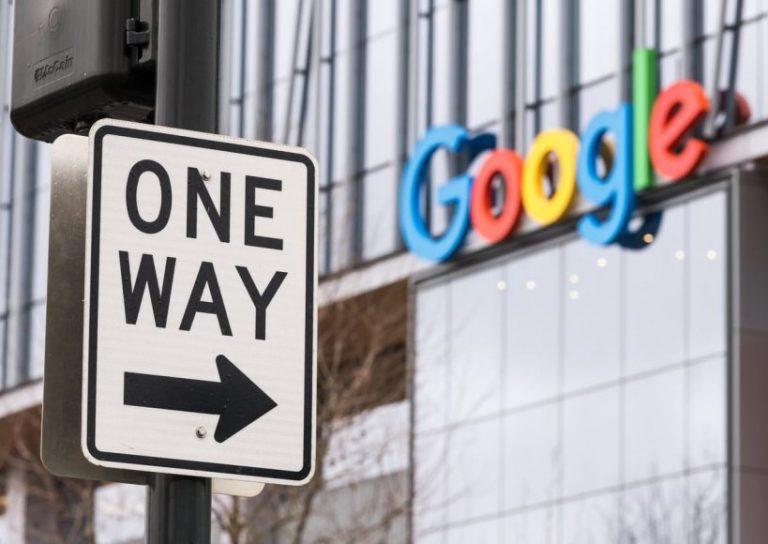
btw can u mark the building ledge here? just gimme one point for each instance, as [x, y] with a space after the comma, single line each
[21, 398]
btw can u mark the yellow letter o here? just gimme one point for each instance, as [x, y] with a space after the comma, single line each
[564, 144]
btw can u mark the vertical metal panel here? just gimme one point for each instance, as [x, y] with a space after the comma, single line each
[457, 74]
[404, 82]
[747, 461]
[249, 67]
[240, 66]
[316, 63]
[569, 62]
[537, 61]
[628, 40]
[7, 140]
[730, 97]
[306, 72]
[265, 68]
[355, 124]
[225, 67]
[6, 39]
[402, 104]
[414, 70]
[714, 91]
[509, 73]
[21, 254]
[294, 71]
[692, 22]
[8, 348]
[520, 69]
[640, 23]
[233, 68]
[328, 132]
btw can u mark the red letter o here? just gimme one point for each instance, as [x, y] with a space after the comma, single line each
[495, 228]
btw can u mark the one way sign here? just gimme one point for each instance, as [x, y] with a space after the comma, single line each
[200, 310]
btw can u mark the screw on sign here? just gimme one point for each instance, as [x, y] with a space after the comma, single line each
[200, 286]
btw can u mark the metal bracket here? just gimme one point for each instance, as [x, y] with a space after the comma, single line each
[137, 38]
[141, 33]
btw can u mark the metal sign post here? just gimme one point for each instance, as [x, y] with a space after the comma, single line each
[179, 507]
[198, 308]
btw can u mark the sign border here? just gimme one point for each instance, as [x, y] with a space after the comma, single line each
[219, 143]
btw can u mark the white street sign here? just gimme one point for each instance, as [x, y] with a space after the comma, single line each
[200, 306]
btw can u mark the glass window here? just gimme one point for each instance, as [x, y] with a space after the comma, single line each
[280, 100]
[751, 83]
[706, 273]
[531, 330]
[592, 335]
[3, 369]
[572, 408]
[532, 457]
[484, 531]
[440, 67]
[341, 227]
[531, 49]
[341, 118]
[323, 242]
[551, 11]
[379, 212]
[5, 255]
[430, 508]
[671, 20]
[670, 69]
[595, 98]
[431, 374]
[248, 71]
[592, 520]
[474, 463]
[655, 297]
[382, 17]
[423, 107]
[324, 143]
[475, 339]
[36, 338]
[286, 13]
[654, 432]
[591, 442]
[42, 202]
[236, 51]
[343, 11]
[539, 525]
[654, 512]
[598, 39]
[485, 65]
[706, 507]
[750, 10]
[380, 100]
[706, 418]
[543, 67]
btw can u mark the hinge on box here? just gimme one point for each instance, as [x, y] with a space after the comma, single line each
[138, 37]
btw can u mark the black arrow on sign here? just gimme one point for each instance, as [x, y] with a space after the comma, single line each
[235, 399]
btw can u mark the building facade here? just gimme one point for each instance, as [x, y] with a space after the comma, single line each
[548, 389]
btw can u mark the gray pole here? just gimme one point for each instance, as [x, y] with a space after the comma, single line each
[179, 507]
[187, 64]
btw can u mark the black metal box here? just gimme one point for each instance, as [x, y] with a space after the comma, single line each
[71, 67]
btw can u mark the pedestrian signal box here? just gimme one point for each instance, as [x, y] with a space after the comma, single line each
[77, 61]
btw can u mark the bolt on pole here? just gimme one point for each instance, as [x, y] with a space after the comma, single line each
[179, 507]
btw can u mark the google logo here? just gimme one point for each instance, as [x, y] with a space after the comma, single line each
[646, 135]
